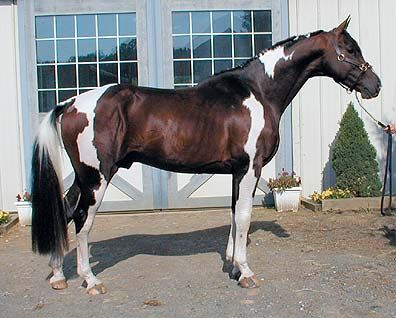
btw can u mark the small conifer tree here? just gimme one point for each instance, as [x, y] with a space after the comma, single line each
[354, 157]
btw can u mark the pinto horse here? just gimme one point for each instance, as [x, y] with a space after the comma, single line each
[227, 124]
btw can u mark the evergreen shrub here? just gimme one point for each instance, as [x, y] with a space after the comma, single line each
[354, 157]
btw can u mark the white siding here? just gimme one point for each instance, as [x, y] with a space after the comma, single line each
[11, 173]
[318, 108]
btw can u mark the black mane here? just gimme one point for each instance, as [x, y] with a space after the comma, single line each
[286, 43]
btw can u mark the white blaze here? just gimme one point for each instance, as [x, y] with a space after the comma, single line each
[271, 57]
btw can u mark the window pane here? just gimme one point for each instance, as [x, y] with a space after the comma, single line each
[221, 65]
[129, 73]
[243, 45]
[66, 94]
[108, 73]
[86, 25]
[46, 76]
[262, 21]
[202, 70]
[201, 46]
[181, 47]
[64, 26]
[242, 21]
[127, 24]
[44, 27]
[87, 75]
[262, 42]
[67, 76]
[180, 23]
[182, 71]
[81, 91]
[128, 49]
[86, 50]
[200, 22]
[107, 24]
[47, 100]
[45, 52]
[107, 49]
[222, 45]
[65, 51]
[221, 21]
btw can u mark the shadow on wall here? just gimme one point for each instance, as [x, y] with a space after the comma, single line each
[379, 138]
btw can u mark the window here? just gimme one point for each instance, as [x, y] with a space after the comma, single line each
[208, 42]
[76, 53]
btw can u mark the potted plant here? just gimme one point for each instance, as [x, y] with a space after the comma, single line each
[24, 208]
[286, 189]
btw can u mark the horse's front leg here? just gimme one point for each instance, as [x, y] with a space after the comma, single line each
[236, 248]
[93, 285]
[58, 280]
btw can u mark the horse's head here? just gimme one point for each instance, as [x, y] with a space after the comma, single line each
[344, 62]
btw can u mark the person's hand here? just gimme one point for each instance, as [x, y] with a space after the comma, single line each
[392, 128]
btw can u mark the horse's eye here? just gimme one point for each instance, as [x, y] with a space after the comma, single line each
[350, 50]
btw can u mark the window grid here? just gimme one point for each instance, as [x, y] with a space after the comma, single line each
[234, 59]
[76, 63]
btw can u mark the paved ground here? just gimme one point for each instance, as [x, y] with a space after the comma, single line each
[311, 265]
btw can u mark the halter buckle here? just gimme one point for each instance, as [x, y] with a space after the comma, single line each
[341, 57]
[364, 67]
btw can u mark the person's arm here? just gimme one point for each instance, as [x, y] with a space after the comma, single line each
[392, 128]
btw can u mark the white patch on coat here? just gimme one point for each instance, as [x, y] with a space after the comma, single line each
[257, 124]
[86, 103]
[243, 205]
[271, 57]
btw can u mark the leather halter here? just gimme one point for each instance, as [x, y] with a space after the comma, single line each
[364, 67]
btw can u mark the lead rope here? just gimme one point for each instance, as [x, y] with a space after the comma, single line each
[388, 165]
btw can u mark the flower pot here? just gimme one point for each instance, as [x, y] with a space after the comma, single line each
[24, 209]
[287, 200]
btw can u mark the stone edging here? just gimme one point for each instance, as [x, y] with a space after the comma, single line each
[343, 204]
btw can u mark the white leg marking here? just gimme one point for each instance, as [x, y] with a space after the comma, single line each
[271, 57]
[56, 263]
[230, 244]
[83, 266]
[243, 206]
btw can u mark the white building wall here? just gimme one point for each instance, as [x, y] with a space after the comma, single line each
[11, 163]
[318, 108]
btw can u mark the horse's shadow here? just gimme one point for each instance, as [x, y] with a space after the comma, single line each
[390, 234]
[108, 253]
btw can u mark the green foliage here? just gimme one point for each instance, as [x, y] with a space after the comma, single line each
[354, 157]
[284, 181]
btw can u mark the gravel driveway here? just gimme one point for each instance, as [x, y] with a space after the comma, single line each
[171, 264]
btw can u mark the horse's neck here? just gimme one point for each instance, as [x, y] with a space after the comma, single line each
[282, 80]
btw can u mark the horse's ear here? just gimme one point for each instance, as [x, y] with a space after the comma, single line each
[343, 26]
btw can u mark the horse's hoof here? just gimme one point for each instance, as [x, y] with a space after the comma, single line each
[59, 285]
[249, 282]
[97, 290]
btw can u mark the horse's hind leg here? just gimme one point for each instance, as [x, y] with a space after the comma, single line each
[83, 218]
[58, 280]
